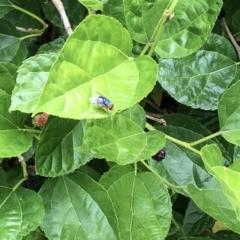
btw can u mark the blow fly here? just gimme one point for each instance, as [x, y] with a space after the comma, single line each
[102, 102]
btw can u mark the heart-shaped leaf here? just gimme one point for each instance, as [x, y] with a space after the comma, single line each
[80, 204]
[195, 81]
[55, 154]
[94, 63]
[121, 140]
[188, 30]
[142, 206]
[229, 114]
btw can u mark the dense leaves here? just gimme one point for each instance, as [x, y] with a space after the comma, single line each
[119, 120]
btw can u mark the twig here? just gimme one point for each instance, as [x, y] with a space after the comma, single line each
[225, 26]
[59, 6]
[160, 120]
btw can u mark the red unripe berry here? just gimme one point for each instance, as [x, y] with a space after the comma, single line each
[40, 119]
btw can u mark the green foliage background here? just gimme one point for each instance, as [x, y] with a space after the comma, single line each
[101, 179]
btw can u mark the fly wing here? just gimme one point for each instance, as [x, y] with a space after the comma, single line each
[96, 100]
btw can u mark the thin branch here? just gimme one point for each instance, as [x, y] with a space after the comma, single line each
[225, 26]
[59, 6]
[160, 120]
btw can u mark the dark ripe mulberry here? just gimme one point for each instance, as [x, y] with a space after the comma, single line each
[33, 182]
[160, 155]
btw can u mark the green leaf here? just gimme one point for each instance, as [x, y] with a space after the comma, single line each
[228, 177]
[100, 60]
[229, 114]
[8, 74]
[34, 235]
[5, 7]
[136, 114]
[180, 165]
[116, 172]
[52, 47]
[14, 140]
[115, 9]
[92, 5]
[195, 81]
[226, 235]
[31, 79]
[8, 28]
[121, 140]
[142, 206]
[12, 49]
[55, 154]
[189, 29]
[213, 201]
[195, 220]
[143, 17]
[16, 210]
[219, 44]
[77, 203]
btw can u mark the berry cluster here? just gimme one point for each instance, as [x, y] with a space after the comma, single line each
[33, 182]
[160, 155]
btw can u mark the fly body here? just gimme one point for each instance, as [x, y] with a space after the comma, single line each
[102, 102]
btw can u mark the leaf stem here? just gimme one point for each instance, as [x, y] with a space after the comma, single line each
[205, 139]
[31, 35]
[179, 142]
[145, 49]
[164, 19]
[180, 229]
[32, 15]
[24, 169]
[163, 179]
[31, 130]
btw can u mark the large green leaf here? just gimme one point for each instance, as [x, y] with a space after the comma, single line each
[77, 208]
[55, 154]
[228, 177]
[199, 79]
[189, 29]
[229, 114]
[21, 212]
[31, 79]
[142, 206]
[121, 140]
[213, 201]
[93, 62]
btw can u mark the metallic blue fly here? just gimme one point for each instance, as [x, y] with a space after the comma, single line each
[102, 102]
